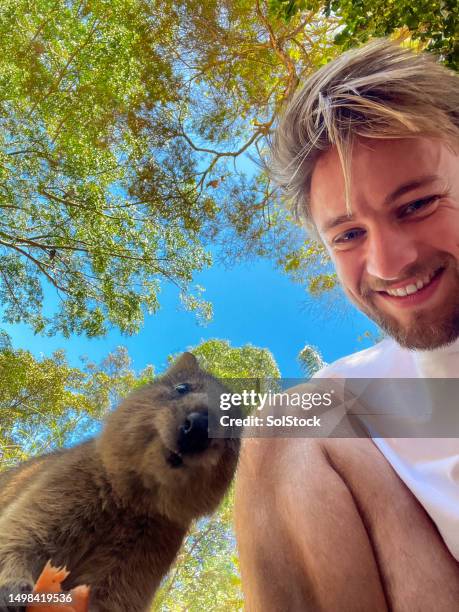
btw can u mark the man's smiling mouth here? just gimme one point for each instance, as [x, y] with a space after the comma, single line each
[413, 286]
[414, 292]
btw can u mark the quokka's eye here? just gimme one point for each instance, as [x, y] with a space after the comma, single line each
[182, 388]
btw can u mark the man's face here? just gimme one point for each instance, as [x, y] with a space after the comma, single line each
[397, 253]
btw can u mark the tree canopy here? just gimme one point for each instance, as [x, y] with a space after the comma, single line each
[120, 125]
[45, 402]
[434, 24]
[97, 199]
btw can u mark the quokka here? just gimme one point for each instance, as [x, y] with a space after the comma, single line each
[115, 509]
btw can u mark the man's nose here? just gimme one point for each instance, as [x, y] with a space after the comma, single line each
[389, 252]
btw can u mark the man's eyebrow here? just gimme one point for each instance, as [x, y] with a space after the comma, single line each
[331, 223]
[410, 186]
[397, 193]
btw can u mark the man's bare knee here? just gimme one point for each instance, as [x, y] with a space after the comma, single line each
[301, 539]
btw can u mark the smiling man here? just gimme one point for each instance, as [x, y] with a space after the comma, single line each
[396, 250]
[368, 152]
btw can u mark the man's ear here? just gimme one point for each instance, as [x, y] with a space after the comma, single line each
[186, 361]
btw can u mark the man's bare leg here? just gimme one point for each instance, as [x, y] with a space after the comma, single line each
[327, 525]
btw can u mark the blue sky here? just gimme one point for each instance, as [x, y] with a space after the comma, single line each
[253, 303]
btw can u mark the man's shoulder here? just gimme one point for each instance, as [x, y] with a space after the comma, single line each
[385, 359]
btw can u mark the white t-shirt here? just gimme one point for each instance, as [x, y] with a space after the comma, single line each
[428, 466]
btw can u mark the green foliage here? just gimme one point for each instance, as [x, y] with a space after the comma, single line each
[286, 9]
[247, 65]
[206, 573]
[96, 199]
[310, 360]
[224, 361]
[434, 24]
[310, 264]
[48, 403]
[322, 282]
[121, 125]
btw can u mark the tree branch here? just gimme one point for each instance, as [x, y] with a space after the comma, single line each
[40, 265]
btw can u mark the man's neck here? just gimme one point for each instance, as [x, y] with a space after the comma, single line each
[442, 362]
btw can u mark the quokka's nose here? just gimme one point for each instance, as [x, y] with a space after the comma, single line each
[193, 436]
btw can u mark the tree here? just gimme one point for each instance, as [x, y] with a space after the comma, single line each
[121, 125]
[310, 360]
[226, 362]
[84, 90]
[434, 24]
[242, 64]
[46, 403]
[206, 573]
[309, 264]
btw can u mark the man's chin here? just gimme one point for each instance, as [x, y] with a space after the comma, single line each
[421, 334]
[422, 340]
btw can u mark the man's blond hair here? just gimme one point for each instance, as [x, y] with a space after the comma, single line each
[381, 90]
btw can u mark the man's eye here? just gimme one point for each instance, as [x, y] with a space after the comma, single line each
[348, 236]
[417, 206]
[183, 388]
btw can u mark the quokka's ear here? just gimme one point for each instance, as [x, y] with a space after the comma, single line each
[186, 362]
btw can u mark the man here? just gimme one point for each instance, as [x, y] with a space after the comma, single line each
[369, 153]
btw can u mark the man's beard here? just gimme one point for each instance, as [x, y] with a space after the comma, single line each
[427, 329]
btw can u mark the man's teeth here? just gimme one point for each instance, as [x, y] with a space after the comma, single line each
[412, 288]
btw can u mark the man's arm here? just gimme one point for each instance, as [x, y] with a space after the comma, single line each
[302, 542]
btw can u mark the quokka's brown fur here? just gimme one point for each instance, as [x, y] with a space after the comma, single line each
[116, 508]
